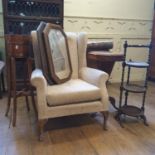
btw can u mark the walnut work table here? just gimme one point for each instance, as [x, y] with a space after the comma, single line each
[103, 60]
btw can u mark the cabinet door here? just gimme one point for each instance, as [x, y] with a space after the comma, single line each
[23, 16]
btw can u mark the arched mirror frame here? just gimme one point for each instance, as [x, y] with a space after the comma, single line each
[46, 32]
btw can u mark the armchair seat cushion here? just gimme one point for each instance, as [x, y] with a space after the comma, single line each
[72, 91]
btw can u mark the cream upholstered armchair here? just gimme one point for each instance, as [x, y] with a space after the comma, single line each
[84, 92]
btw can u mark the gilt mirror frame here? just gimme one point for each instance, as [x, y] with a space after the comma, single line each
[57, 54]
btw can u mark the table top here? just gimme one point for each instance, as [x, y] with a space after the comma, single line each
[105, 56]
[138, 64]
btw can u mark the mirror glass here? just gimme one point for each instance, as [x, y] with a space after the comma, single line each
[59, 53]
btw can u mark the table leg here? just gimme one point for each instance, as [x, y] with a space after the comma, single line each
[3, 83]
[0, 88]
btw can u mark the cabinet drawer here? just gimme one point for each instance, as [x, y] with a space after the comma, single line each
[18, 50]
[18, 45]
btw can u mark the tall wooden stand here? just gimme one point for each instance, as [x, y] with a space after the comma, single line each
[19, 47]
[20, 88]
[128, 87]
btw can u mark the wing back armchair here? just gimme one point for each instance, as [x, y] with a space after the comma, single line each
[84, 92]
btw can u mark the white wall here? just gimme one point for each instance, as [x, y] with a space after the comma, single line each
[116, 20]
[132, 9]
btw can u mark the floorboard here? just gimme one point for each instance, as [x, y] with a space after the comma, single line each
[82, 134]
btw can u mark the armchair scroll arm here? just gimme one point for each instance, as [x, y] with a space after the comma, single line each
[93, 76]
[39, 81]
[99, 79]
[37, 76]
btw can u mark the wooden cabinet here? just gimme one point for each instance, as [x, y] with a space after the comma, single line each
[22, 16]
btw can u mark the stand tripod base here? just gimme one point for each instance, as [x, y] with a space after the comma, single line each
[128, 110]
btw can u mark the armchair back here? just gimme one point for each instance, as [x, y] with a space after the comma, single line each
[57, 51]
[59, 55]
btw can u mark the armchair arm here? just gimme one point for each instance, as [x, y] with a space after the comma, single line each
[38, 80]
[93, 76]
[97, 78]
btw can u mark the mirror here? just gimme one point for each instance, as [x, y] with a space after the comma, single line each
[57, 53]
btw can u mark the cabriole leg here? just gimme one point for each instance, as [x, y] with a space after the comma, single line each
[105, 115]
[41, 124]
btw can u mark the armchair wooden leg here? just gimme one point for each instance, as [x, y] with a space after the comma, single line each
[41, 124]
[105, 115]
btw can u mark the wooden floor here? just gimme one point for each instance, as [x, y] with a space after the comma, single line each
[80, 135]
